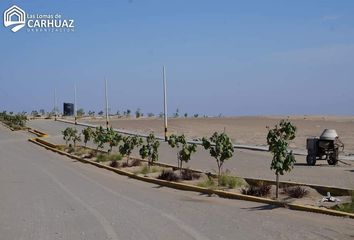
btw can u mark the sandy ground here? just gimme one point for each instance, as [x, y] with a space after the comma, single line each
[242, 130]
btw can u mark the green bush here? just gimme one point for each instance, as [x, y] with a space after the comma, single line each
[230, 181]
[207, 183]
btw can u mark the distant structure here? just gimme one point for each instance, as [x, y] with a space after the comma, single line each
[68, 109]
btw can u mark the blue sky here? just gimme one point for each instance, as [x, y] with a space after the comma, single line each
[229, 57]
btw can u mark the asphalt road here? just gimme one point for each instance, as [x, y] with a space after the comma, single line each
[245, 163]
[48, 196]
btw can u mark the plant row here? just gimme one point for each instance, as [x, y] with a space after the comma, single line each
[15, 122]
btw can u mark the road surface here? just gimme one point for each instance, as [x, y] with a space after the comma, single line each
[48, 196]
[245, 163]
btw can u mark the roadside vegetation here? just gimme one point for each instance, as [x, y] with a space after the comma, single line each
[120, 151]
[15, 122]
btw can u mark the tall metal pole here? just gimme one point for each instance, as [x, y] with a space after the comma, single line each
[165, 100]
[55, 104]
[106, 96]
[75, 107]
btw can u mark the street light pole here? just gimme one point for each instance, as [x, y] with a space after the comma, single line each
[55, 104]
[75, 107]
[165, 100]
[106, 97]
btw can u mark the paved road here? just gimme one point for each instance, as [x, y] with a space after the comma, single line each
[48, 196]
[245, 163]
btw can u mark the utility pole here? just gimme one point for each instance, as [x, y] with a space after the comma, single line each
[165, 100]
[106, 97]
[75, 107]
[55, 104]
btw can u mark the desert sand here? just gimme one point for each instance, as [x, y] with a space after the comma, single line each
[248, 130]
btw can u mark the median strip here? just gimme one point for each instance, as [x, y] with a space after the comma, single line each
[203, 190]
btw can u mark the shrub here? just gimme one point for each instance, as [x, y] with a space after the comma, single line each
[188, 174]
[105, 157]
[114, 164]
[259, 190]
[168, 175]
[296, 192]
[208, 183]
[101, 158]
[346, 207]
[230, 181]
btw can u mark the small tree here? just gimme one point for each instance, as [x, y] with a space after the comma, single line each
[88, 134]
[128, 112]
[71, 134]
[129, 143]
[278, 140]
[185, 150]
[67, 134]
[76, 137]
[112, 138]
[150, 149]
[220, 148]
[80, 112]
[100, 137]
[176, 114]
[138, 113]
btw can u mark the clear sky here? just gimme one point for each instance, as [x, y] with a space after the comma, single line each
[230, 57]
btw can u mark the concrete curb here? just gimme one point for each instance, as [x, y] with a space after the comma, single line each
[186, 187]
[38, 133]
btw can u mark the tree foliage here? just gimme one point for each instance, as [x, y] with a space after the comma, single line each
[150, 149]
[220, 147]
[278, 140]
[88, 134]
[129, 143]
[185, 150]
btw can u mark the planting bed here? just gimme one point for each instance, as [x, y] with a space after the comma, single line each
[302, 195]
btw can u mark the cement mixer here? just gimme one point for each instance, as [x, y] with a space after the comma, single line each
[326, 147]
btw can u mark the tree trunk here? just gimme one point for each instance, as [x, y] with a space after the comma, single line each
[277, 188]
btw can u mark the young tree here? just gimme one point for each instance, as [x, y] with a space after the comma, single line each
[138, 113]
[76, 137]
[88, 134]
[67, 134]
[112, 138]
[128, 112]
[176, 115]
[71, 134]
[100, 113]
[129, 143]
[185, 150]
[220, 148]
[100, 137]
[80, 112]
[278, 140]
[186, 115]
[150, 149]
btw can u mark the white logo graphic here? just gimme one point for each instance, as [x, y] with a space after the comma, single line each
[15, 16]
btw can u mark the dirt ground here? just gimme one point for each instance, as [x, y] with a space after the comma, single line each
[242, 130]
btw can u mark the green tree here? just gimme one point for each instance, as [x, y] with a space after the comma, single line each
[80, 112]
[88, 134]
[67, 134]
[100, 137]
[220, 148]
[129, 143]
[112, 138]
[278, 140]
[71, 134]
[138, 113]
[150, 149]
[185, 150]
